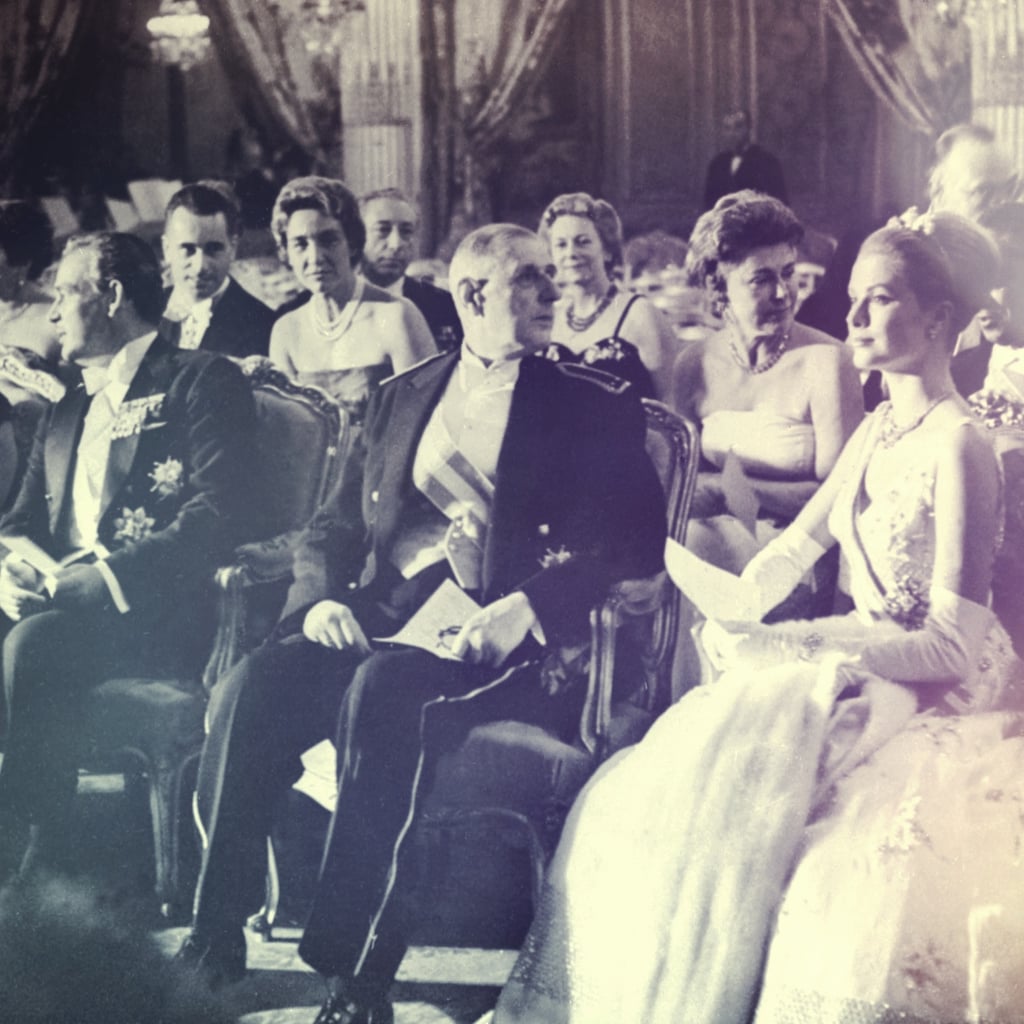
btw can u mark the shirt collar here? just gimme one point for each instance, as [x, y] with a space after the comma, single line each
[474, 373]
[175, 304]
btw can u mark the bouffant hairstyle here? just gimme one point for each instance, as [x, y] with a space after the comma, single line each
[945, 258]
[126, 258]
[26, 236]
[737, 225]
[207, 198]
[603, 215]
[653, 253]
[330, 197]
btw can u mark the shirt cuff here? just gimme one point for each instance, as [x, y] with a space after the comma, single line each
[116, 593]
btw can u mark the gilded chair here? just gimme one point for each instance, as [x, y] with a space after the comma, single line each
[151, 729]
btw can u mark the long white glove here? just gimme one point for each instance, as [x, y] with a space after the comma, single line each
[945, 649]
[769, 577]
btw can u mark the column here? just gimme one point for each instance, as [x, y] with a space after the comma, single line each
[997, 71]
[380, 97]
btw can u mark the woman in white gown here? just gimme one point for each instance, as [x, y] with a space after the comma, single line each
[833, 830]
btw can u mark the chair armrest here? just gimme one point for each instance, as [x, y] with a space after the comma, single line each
[627, 599]
[256, 564]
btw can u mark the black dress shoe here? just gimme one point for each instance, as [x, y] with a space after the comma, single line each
[218, 961]
[339, 1009]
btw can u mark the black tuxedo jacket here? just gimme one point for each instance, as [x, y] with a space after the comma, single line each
[438, 310]
[577, 505]
[239, 327]
[969, 368]
[193, 410]
[757, 170]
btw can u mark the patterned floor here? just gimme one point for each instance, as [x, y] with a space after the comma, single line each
[436, 985]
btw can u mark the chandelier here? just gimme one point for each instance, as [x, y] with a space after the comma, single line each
[319, 21]
[180, 34]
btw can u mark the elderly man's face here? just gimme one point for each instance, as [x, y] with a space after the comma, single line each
[517, 300]
[973, 178]
[390, 239]
[81, 311]
[199, 252]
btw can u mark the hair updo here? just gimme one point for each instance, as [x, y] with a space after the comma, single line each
[945, 258]
[328, 196]
[738, 224]
[601, 213]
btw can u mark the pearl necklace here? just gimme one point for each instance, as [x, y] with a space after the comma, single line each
[581, 323]
[743, 359]
[334, 329]
[891, 432]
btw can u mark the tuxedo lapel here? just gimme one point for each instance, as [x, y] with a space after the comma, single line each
[519, 491]
[61, 447]
[417, 397]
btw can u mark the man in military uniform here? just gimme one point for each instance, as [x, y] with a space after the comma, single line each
[521, 482]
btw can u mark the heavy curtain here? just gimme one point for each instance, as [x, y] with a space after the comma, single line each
[916, 61]
[37, 37]
[496, 50]
[282, 86]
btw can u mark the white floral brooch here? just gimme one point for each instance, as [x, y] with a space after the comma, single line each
[168, 478]
[551, 558]
[133, 525]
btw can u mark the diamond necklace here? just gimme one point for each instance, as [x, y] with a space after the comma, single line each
[334, 329]
[891, 431]
[743, 361]
[581, 323]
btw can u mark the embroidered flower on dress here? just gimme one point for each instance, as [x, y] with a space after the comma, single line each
[907, 602]
[906, 832]
[551, 558]
[167, 477]
[133, 525]
[608, 348]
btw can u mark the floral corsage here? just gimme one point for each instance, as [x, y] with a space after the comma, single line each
[168, 478]
[133, 525]
[996, 409]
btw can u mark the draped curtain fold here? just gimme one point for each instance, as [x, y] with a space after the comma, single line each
[500, 50]
[276, 78]
[916, 62]
[37, 39]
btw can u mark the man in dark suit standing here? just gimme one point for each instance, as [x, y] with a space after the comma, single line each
[206, 307]
[140, 480]
[742, 164]
[392, 223]
[520, 482]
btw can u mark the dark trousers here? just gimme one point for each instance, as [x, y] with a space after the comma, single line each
[395, 711]
[51, 660]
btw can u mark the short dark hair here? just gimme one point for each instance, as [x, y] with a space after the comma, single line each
[330, 197]
[26, 236]
[130, 260]
[738, 224]
[207, 198]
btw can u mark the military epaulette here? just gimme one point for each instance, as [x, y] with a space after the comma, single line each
[414, 367]
[612, 384]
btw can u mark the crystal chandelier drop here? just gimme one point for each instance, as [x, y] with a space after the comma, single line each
[319, 21]
[180, 34]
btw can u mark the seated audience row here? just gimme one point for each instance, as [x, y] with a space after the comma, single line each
[524, 484]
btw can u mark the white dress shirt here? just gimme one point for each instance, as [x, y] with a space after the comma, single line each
[108, 386]
[196, 320]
